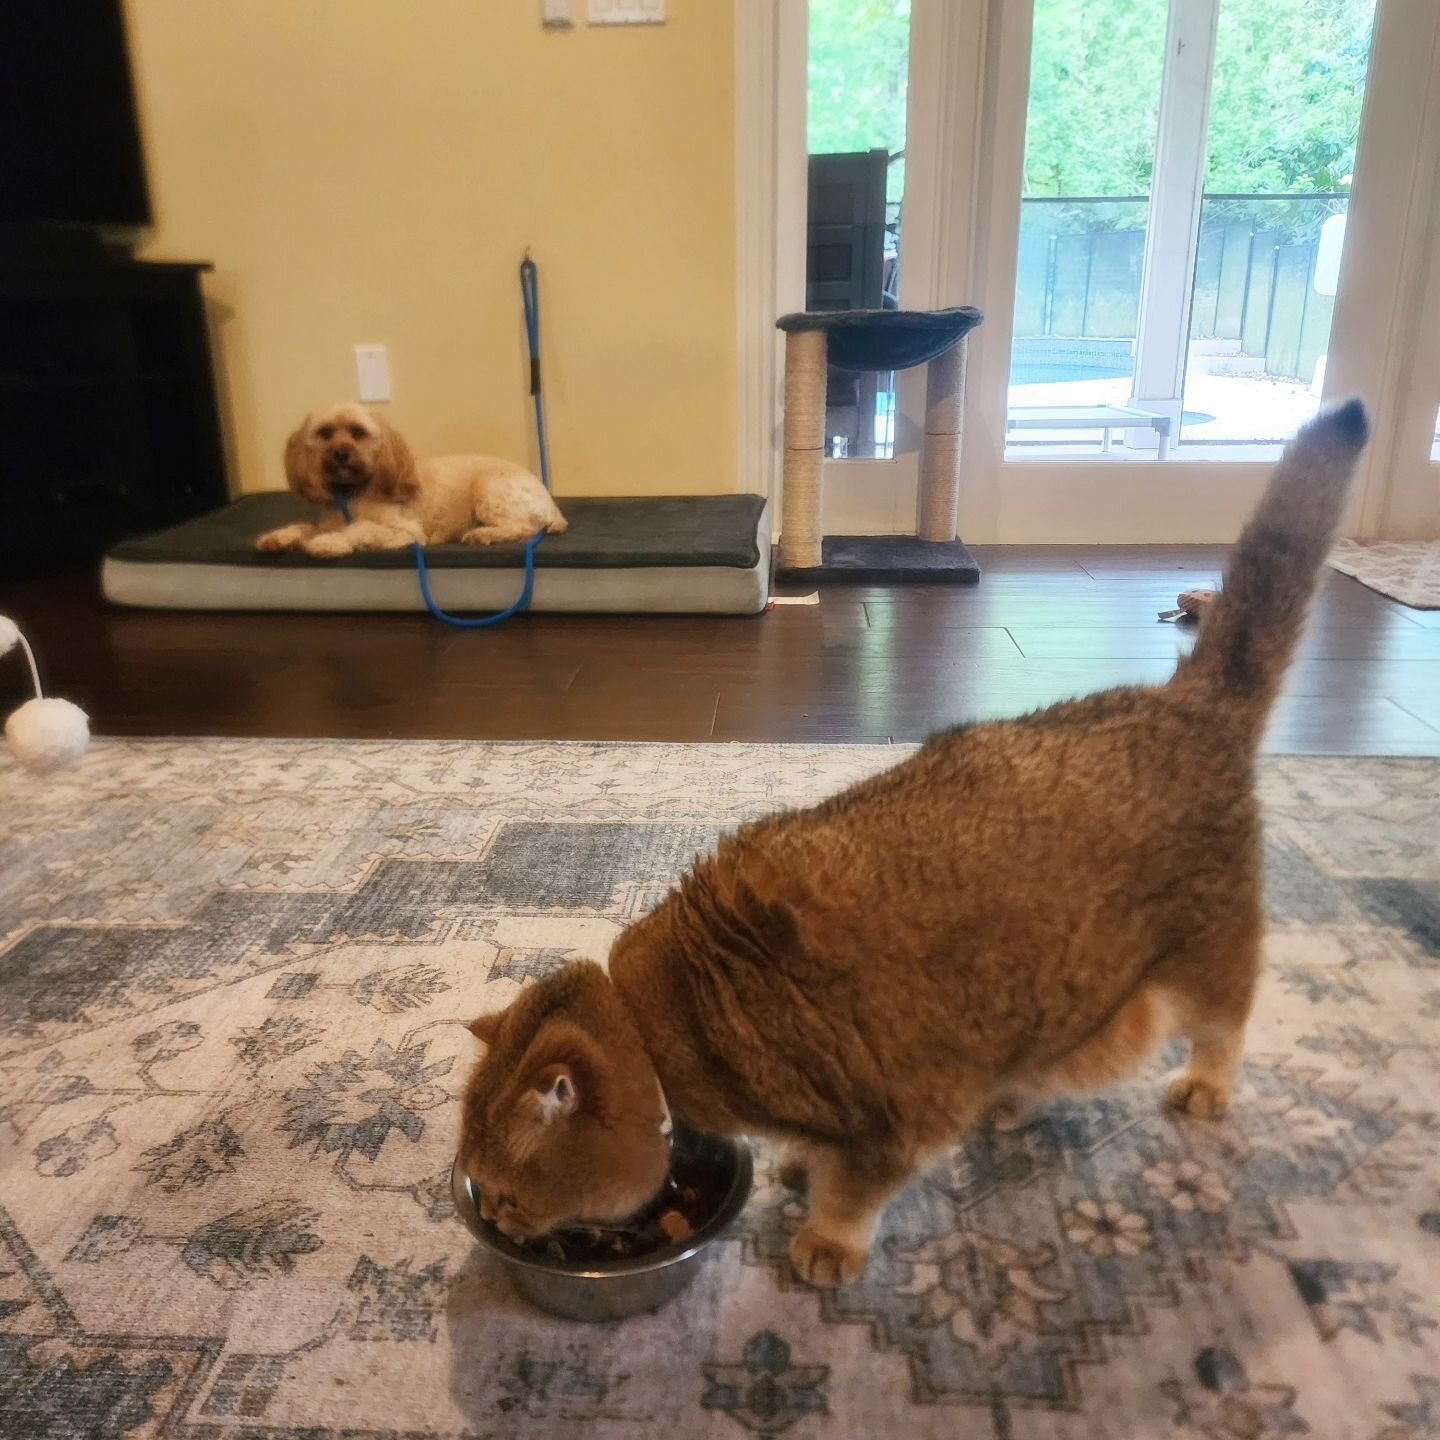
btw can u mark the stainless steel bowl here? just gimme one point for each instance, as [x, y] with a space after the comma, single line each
[611, 1290]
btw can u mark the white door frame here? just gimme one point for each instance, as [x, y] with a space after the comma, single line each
[862, 496]
[1389, 299]
[946, 59]
[969, 83]
[1172, 228]
[771, 175]
[764, 269]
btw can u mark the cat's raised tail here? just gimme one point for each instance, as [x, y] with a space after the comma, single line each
[1247, 637]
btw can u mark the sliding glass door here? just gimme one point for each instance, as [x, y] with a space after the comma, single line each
[1185, 221]
[1095, 79]
[858, 66]
[1186, 180]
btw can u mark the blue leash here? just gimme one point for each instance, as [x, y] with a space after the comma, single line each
[530, 293]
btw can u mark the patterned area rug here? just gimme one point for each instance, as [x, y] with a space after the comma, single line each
[231, 981]
[1404, 570]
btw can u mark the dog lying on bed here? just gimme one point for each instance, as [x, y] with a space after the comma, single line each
[394, 499]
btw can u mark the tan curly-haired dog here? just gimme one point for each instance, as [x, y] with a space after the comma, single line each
[394, 499]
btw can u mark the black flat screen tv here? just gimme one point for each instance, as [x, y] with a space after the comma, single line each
[69, 138]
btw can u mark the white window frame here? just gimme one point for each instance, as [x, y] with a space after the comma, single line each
[1172, 227]
[1389, 300]
[968, 89]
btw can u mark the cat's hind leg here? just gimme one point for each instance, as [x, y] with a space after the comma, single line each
[1207, 1082]
[1211, 996]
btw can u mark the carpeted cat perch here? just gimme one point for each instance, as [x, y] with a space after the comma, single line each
[875, 340]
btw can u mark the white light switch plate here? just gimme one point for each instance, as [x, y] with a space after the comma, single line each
[372, 374]
[557, 14]
[626, 12]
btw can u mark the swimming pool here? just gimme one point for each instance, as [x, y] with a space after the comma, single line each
[1058, 373]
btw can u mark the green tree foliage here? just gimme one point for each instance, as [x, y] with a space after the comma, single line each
[1289, 78]
[1285, 114]
[859, 53]
[1094, 97]
[859, 56]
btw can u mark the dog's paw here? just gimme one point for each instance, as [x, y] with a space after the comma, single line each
[1198, 1096]
[826, 1261]
[478, 536]
[287, 539]
[328, 547]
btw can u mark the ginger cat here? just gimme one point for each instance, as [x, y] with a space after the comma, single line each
[1019, 909]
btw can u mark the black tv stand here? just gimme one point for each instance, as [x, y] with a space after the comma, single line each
[107, 403]
[75, 244]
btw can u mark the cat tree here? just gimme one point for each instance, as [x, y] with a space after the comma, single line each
[875, 340]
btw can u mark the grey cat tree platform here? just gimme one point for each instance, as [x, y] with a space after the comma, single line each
[875, 340]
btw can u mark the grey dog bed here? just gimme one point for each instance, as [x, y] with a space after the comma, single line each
[701, 554]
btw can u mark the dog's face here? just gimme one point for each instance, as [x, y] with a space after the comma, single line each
[346, 450]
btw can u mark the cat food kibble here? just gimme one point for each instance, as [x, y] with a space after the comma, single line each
[676, 1227]
[693, 1193]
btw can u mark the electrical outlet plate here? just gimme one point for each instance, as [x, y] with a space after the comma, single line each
[372, 374]
[557, 14]
[626, 12]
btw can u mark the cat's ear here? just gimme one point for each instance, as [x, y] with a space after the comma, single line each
[486, 1027]
[560, 1074]
[557, 1093]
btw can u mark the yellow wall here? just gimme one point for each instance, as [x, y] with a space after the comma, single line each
[372, 171]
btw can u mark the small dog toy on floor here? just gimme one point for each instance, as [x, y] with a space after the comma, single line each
[44, 733]
[1192, 605]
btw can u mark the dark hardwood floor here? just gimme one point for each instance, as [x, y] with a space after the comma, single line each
[867, 663]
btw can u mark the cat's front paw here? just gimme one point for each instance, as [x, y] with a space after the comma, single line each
[328, 546]
[1198, 1096]
[826, 1261]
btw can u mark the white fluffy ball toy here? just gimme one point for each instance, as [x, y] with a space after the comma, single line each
[43, 734]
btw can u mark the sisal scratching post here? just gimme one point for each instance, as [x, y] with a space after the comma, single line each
[863, 341]
[940, 451]
[801, 525]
